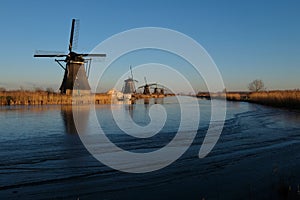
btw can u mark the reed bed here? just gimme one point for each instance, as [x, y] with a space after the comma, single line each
[43, 97]
[285, 99]
[277, 98]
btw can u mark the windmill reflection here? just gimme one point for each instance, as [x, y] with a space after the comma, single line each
[68, 118]
[130, 108]
[148, 101]
[159, 101]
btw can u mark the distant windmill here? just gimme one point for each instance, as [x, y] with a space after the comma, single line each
[146, 87]
[75, 77]
[129, 86]
[158, 89]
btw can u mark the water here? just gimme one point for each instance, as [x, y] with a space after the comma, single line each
[256, 157]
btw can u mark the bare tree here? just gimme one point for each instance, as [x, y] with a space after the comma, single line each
[256, 85]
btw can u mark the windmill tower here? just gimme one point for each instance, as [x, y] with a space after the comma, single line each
[158, 89]
[129, 86]
[146, 87]
[75, 76]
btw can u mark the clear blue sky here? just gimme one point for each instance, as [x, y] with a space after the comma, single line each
[247, 39]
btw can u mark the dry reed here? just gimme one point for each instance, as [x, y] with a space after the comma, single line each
[286, 99]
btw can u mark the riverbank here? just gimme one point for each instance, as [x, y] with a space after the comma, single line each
[283, 99]
[50, 98]
[277, 98]
[53, 98]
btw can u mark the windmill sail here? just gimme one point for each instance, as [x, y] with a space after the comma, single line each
[75, 77]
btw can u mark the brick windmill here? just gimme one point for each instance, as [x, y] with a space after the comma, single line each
[75, 76]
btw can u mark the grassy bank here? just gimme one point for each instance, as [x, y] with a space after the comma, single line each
[45, 98]
[279, 98]
[49, 98]
[284, 99]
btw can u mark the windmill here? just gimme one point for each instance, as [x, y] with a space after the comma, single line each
[129, 87]
[75, 76]
[146, 87]
[158, 89]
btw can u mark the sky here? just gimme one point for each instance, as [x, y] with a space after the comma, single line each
[247, 40]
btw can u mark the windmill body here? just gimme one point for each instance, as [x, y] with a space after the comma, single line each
[158, 89]
[75, 80]
[146, 87]
[129, 86]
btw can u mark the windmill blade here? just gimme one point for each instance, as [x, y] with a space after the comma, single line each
[48, 52]
[42, 53]
[72, 35]
[76, 34]
[151, 84]
[161, 86]
[93, 55]
[152, 87]
[49, 55]
[147, 85]
[131, 72]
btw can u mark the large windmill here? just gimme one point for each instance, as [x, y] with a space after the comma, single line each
[75, 77]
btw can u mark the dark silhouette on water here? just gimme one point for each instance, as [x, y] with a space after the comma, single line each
[68, 118]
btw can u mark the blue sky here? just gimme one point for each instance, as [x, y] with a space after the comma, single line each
[247, 39]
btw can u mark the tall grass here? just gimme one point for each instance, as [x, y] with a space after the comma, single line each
[276, 98]
[287, 98]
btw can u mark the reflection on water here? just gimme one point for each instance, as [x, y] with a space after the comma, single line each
[158, 100]
[150, 101]
[67, 116]
[130, 108]
[256, 157]
[146, 101]
[68, 119]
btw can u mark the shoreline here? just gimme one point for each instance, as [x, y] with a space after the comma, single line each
[289, 99]
[277, 98]
[11, 98]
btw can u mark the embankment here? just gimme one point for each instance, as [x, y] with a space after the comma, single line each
[50, 98]
[277, 98]
[283, 99]
[53, 98]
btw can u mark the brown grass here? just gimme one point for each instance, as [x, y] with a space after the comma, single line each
[43, 97]
[277, 98]
[286, 99]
